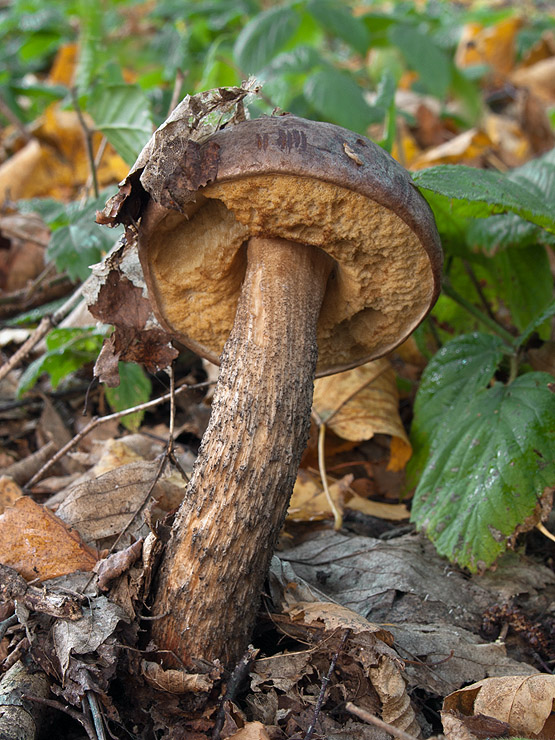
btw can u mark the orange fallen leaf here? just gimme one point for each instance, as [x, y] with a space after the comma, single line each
[493, 45]
[462, 149]
[38, 545]
[362, 402]
[63, 67]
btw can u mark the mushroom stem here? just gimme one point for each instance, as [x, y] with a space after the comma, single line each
[224, 534]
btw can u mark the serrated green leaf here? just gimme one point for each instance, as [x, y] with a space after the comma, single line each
[522, 281]
[134, 388]
[461, 368]
[337, 19]
[264, 36]
[337, 98]
[67, 350]
[488, 471]
[478, 193]
[122, 114]
[422, 55]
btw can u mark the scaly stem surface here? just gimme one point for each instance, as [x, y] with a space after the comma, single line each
[224, 534]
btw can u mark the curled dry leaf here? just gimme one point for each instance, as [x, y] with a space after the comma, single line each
[114, 565]
[39, 545]
[525, 703]
[176, 681]
[362, 402]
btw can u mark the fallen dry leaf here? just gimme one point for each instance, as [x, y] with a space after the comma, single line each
[362, 402]
[493, 45]
[9, 492]
[539, 78]
[38, 545]
[525, 703]
[466, 148]
[251, 731]
[310, 503]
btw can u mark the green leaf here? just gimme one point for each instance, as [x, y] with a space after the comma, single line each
[134, 388]
[337, 98]
[263, 37]
[536, 322]
[488, 471]
[79, 242]
[122, 114]
[67, 350]
[337, 19]
[422, 55]
[461, 368]
[522, 281]
[478, 193]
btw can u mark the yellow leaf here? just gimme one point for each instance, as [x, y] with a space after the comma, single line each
[492, 45]
[362, 402]
[64, 64]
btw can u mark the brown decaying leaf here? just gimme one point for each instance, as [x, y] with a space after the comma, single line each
[114, 565]
[251, 731]
[176, 681]
[9, 492]
[362, 402]
[525, 703]
[310, 503]
[14, 587]
[39, 545]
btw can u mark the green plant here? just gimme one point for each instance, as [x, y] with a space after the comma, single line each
[484, 421]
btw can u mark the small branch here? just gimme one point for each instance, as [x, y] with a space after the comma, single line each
[325, 683]
[493, 325]
[95, 421]
[372, 720]
[88, 140]
[73, 713]
[10, 116]
[478, 288]
[239, 675]
[176, 92]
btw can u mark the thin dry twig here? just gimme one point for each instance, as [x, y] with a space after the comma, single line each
[88, 134]
[96, 420]
[73, 713]
[47, 323]
[325, 683]
[372, 720]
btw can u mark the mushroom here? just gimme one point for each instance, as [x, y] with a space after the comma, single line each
[305, 250]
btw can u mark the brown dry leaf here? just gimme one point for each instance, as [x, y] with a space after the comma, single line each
[9, 492]
[23, 243]
[492, 45]
[525, 703]
[466, 148]
[508, 138]
[539, 79]
[334, 616]
[251, 731]
[362, 402]
[310, 503]
[176, 681]
[39, 545]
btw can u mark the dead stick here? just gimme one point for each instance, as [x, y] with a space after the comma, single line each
[96, 420]
[373, 720]
[325, 682]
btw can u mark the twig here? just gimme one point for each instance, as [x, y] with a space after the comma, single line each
[240, 673]
[88, 140]
[6, 624]
[372, 720]
[10, 116]
[325, 683]
[96, 715]
[73, 713]
[96, 420]
[47, 323]
[176, 92]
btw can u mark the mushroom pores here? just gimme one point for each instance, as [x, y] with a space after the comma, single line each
[364, 212]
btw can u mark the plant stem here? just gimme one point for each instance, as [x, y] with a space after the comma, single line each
[482, 317]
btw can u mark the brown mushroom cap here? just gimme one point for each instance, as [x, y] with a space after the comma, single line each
[307, 182]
